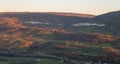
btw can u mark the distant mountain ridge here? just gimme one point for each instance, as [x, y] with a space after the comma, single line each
[54, 13]
[73, 14]
[111, 17]
[66, 20]
[52, 19]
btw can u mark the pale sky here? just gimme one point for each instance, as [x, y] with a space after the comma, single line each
[77, 6]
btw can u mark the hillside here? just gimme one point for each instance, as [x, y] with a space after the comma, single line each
[35, 35]
[108, 23]
[11, 28]
[10, 23]
[48, 17]
[111, 19]
[48, 20]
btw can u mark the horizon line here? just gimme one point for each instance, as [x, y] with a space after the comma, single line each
[53, 12]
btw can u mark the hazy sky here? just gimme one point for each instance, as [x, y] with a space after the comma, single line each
[77, 6]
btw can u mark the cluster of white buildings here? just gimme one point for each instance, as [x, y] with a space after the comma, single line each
[36, 22]
[87, 24]
[76, 25]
